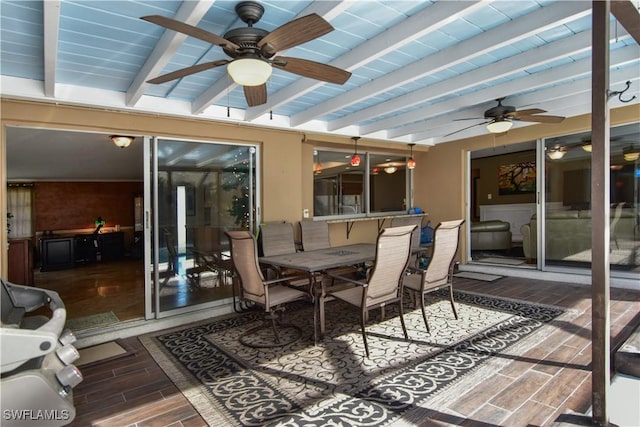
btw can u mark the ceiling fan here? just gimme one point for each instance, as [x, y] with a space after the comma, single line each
[500, 118]
[253, 51]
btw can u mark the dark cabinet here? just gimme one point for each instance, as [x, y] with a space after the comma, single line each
[59, 253]
[20, 259]
[111, 246]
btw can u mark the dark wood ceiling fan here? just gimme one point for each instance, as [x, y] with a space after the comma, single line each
[260, 46]
[506, 114]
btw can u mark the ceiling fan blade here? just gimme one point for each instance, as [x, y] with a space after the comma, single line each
[468, 127]
[294, 33]
[183, 72]
[540, 119]
[255, 95]
[189, 30]
[312, 69]
[468, 118]
[528, 112]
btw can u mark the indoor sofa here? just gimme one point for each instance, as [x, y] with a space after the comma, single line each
[490, 235]
[568, 233]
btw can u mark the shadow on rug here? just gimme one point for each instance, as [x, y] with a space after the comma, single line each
[332, 383]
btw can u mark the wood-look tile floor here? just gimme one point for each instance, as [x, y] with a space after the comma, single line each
[118, 286]
[547, 381]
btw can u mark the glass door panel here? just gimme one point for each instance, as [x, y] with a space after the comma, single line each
[202, 190]
[567, 222]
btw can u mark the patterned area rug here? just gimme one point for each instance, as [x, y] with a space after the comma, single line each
[332, 383]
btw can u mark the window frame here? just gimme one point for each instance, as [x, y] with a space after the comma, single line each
[366, 192]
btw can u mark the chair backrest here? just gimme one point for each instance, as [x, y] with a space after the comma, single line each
[315, 235]
[277, 238]
[244, 254]
[172, 252]
[445, 246]
[393, 249]
[410, 220]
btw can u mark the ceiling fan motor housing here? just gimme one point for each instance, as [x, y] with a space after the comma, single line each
[247, 38]
[499, 111]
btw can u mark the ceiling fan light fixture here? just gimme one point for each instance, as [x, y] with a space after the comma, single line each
[390, 169]
[249, 71]
[499, 126]
[122, 141]
[631, 153]
[587, 147]
[556, 154]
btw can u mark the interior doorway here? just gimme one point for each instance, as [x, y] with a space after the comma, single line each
[81, 240]
[502, 199]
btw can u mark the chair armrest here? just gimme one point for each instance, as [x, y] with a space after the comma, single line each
[348, 279]
[285, 279]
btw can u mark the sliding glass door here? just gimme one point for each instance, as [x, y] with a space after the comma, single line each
[199, 191]
[550, 222]
[567, 208]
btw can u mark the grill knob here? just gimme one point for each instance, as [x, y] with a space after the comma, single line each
[68, 354]
[69, 376]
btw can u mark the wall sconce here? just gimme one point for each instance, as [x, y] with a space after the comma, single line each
[390, 169]
[556, 153]
[499, 125]
[355, 159]
[411, 163]
[249, 71]
[631, 153]
[122, 141]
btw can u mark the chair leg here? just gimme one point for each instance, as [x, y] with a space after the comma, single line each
[364, 332]
[453, 306]
[424, 313]
[404, 326]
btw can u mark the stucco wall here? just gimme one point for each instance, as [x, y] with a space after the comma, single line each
[287, 178]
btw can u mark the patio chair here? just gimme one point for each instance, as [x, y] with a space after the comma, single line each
[439, 272]
[271, 295]
[172, 262]
[277, 238]
[384, 283]
[415, 240]
[315, 235]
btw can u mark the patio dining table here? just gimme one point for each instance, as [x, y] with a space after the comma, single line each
[319, 261]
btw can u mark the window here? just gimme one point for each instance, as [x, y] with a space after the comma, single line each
[380, 184]
[567, 226]
[19, 210]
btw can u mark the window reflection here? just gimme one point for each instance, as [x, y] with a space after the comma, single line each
[568, 199]
[342, 189]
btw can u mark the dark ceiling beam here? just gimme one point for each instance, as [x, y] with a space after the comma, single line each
[627, 15]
